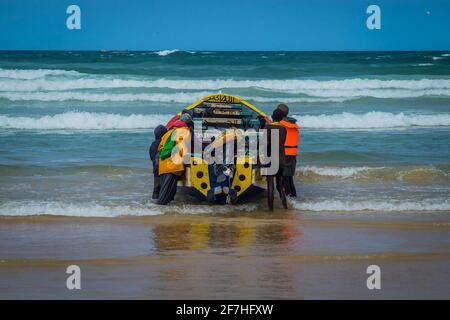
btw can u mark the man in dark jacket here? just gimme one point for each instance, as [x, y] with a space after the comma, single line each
[277, 116]
[291, 150]
[153, 152]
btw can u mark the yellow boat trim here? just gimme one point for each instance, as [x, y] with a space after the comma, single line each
[223, 98]
[243, 177]
[200, 175]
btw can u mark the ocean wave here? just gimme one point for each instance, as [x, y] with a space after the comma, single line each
[164, 53]
[372, 120]
[30, 74]
[372, 205]
[84, 121]
[102, 121]
[377, 93]
[35, 208]
[411, 174]
[314, 88]
[342, 172]
[95, 209]
[36, 170]
[179, 97]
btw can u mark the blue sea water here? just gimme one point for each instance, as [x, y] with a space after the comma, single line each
[75, 126]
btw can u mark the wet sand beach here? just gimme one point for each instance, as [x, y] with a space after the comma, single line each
[234, 256]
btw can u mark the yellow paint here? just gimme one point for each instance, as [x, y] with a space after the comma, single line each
[199, 165]
[246, 172]
[199, 235]
[223, 98]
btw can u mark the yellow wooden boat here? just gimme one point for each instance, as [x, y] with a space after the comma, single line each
[239, 177]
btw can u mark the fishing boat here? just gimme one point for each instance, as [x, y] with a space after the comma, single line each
[233, 119]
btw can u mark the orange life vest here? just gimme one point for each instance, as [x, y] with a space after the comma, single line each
[292, 138]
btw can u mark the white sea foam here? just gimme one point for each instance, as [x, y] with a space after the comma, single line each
[399, 173]
[373, 205]
[343, 172]
[178, 97]
[347, 88]
[34, 208]
[372, 120]
[104, 121]
[164, 53]
[84, 121]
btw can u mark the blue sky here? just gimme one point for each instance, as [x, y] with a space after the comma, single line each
[225, 25]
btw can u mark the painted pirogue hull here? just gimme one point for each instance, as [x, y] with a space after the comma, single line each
[237, 179]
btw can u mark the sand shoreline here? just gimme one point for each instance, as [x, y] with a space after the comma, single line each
[290, 256]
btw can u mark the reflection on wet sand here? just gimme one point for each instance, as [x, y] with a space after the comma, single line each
[223, 235]
[175, 256]
[226, 258]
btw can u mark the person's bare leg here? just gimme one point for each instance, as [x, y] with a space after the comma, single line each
[270, 192]
[281, 190]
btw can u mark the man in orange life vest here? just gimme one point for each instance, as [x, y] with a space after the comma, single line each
[290, 150]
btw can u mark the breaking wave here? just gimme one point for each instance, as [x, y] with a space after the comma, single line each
[30, 74]
[373, 120]
[34, 208]
[35, 81]
[103, 97]
[104, 121]
[54, 208]
[84, 121]
[164, 53]
[373, 205]
[411, 174]
[180, 97]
